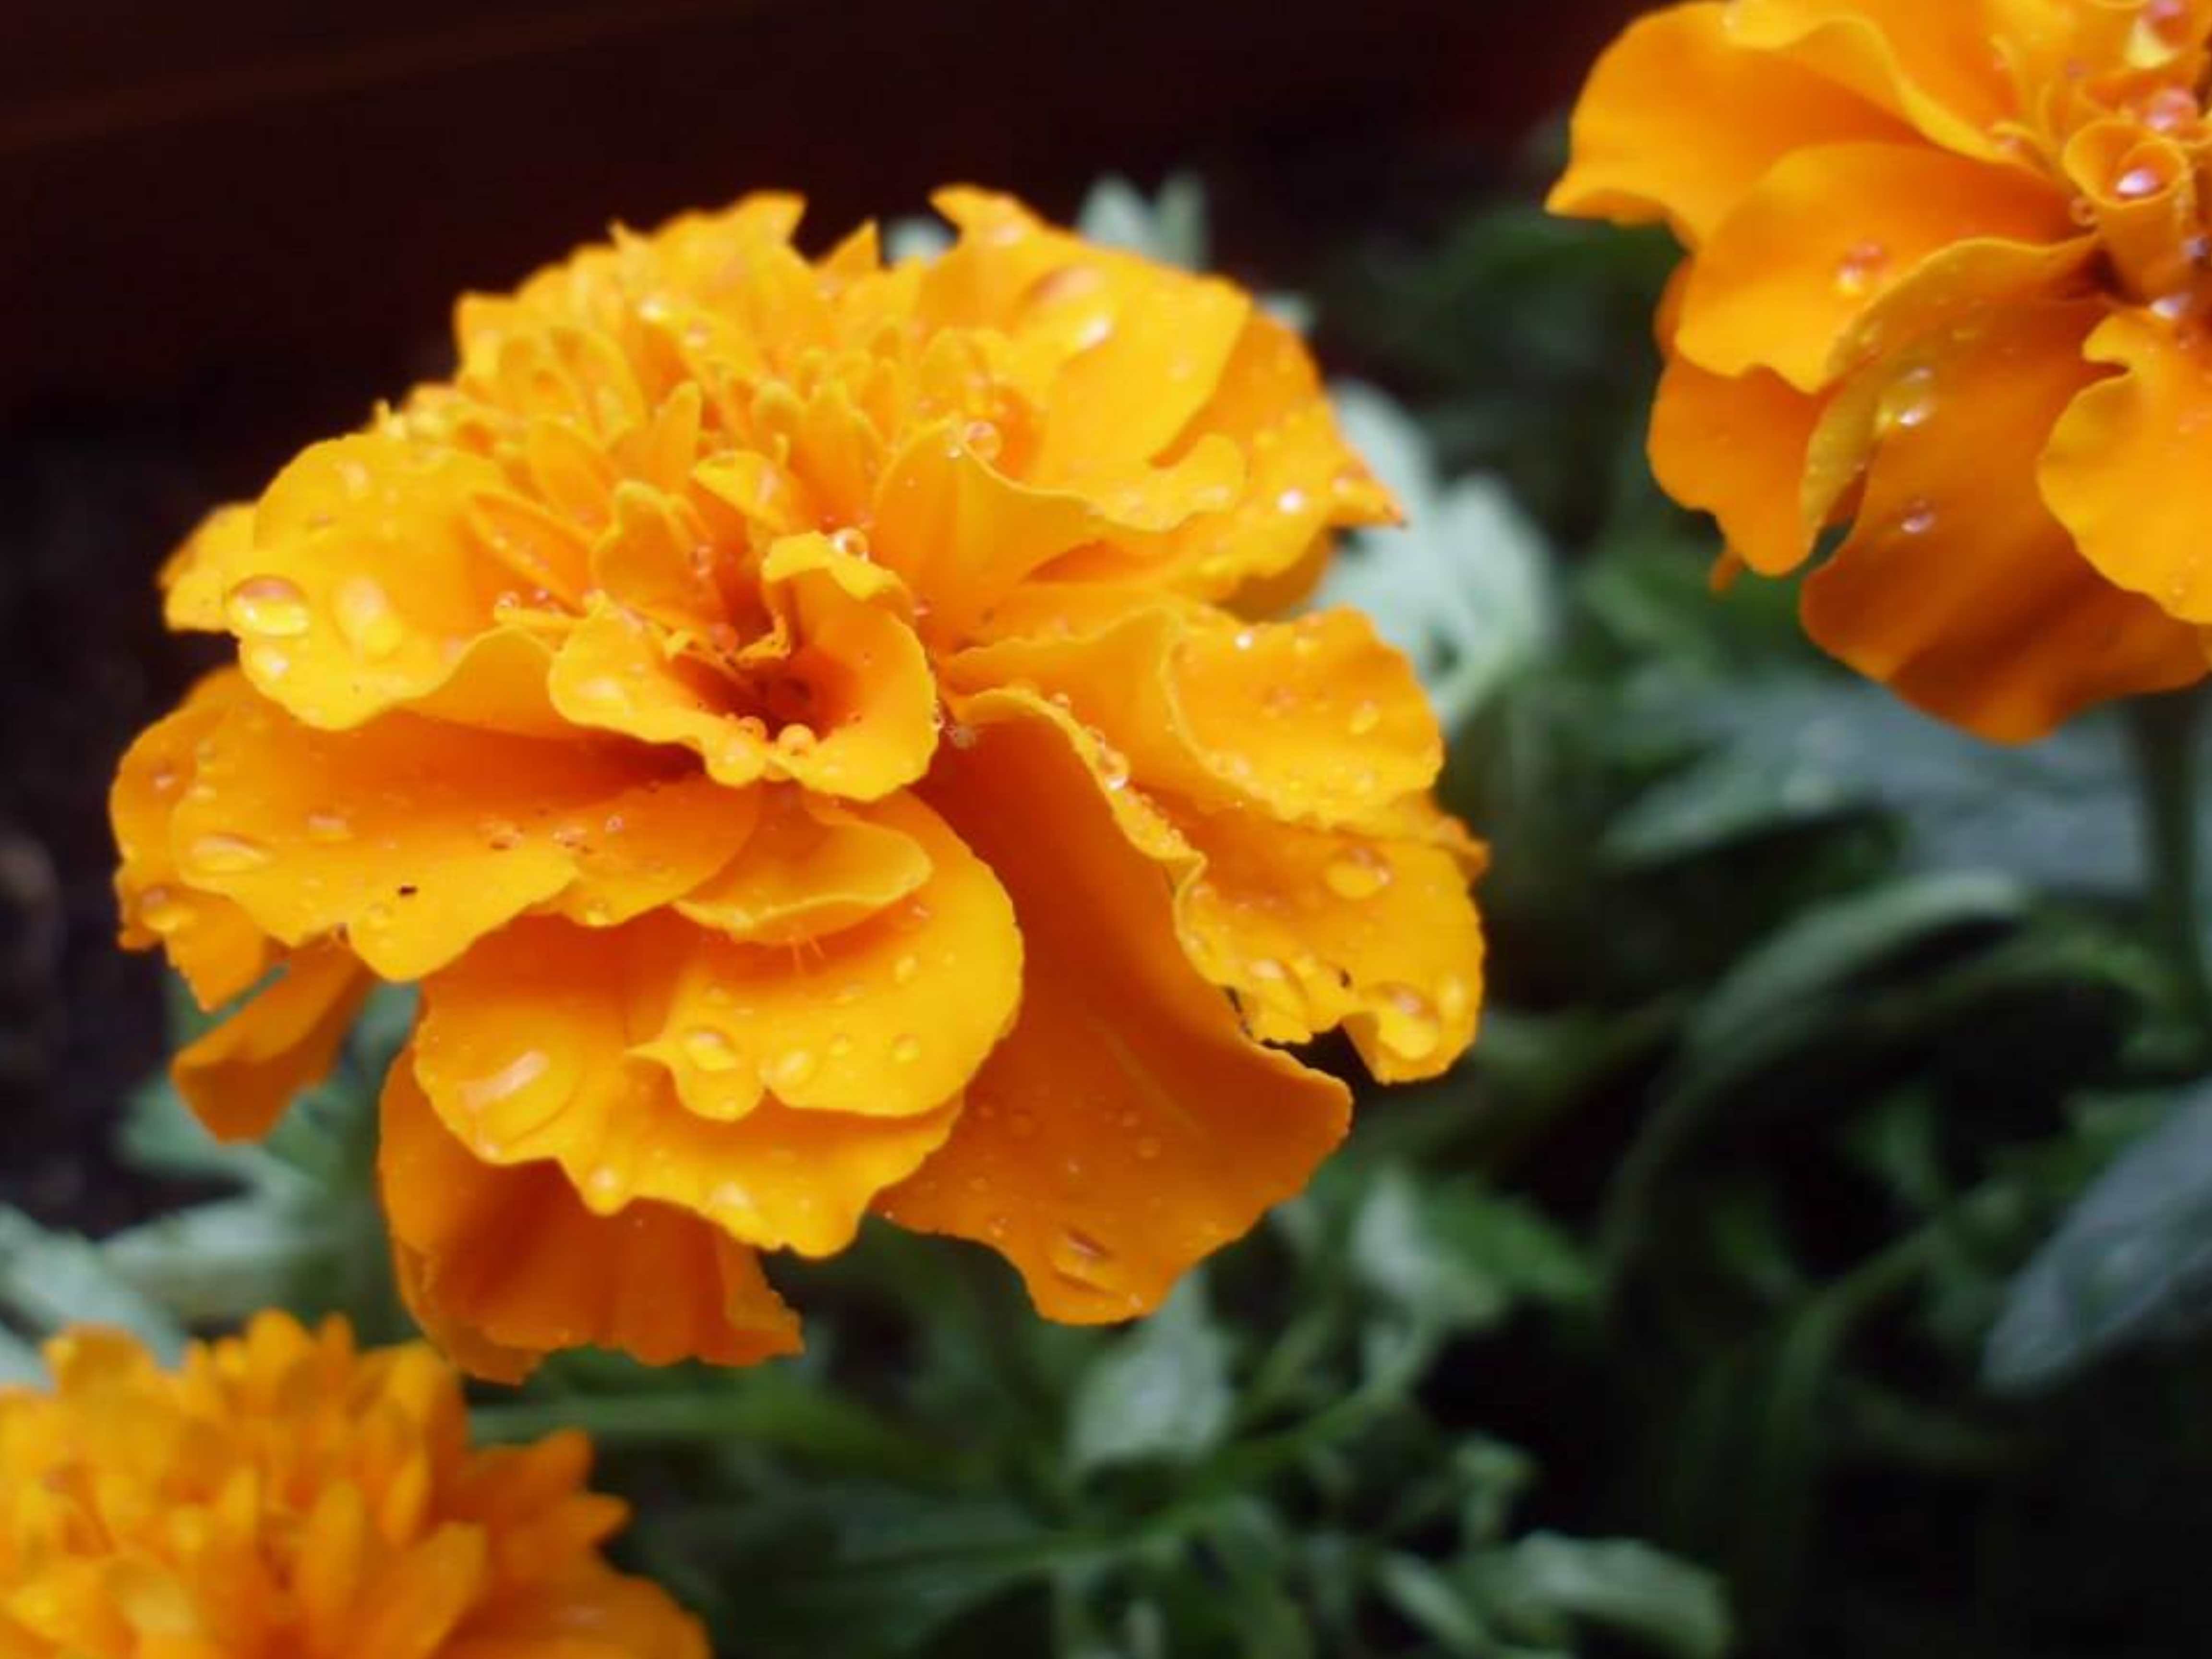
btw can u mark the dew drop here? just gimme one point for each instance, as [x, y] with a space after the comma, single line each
[708, 1049]
[226, 855]
[906, 1047]
[1290, 500]
[1148, 1148]
[1860, 268]
[1266, 969]
[982, 439]
[501, 834]
[161, 911]
[1020, 1124]
[2138, 182]
[517, 1074]
[792, 1068]
[731, 1198]
[329, 828]
[853, 544]
[1113, 767]
[366, 618]
[1357, 872]
[1407, 1023]
[905, 970]
[1908, 401]
[1365, 719]
[1078, 1255]
[1918, 519]
[797, 738]
[269, 605]
[840, 1046]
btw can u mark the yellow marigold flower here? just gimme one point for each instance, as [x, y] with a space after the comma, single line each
[285, 1497]
[1946, 285]
[803, 725]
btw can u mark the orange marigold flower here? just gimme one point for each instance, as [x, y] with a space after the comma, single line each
[802, 723]
[1947, 284]
[285, 1497]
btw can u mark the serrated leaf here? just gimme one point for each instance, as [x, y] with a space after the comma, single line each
[2131, 1260]
[1160, 1393]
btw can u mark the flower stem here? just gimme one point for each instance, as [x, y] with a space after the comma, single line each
[2165, 730]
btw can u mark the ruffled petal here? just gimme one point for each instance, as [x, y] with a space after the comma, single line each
[2124, 462]
[1932, 66]
[1312, 930]
[1826, 233]
[213, 943]
[364, 581]
[1646, 143]
[240, 1077]
[504, 1266]
[810, 870]
[1128, 1126]
[416, 837]
[1315, 720]
[1957, 587]
[1735, 447]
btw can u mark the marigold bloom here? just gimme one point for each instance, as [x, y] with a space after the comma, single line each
[284, 1497]
[801, 723]
[1946, 284]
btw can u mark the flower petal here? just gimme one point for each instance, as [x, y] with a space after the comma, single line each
[588, 1088]
[1957, 587]
[1735, 447]
[2122, 462]
[809, 871]
[505, 1265]
[1317, 720]
[238, 1077]
[1646, 143]
[1128, 1126]
[1826, 233]
[1313, 930]
[213, 943]
[365, 580]
[1931, 65]
[418, 837]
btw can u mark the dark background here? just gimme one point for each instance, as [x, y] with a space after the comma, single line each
[231, 227]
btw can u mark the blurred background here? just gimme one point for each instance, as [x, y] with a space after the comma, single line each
[1813, 1259]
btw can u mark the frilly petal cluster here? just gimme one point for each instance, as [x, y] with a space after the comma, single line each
[1946, 292]
[283, 1495]
[808, 727]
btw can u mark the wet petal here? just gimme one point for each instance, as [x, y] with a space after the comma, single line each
[810, 870]
[192, 581]
[416, 837]
[616, 672]
[1317, 719]
[1128, 1126]
[1646, 143]
[1826, 233]
[546, 1042]
[1931, 65]
[240, 1077]
[209, 941]
[1313, 930]
[364, 581]
[1736, 449]
[651, 1281]
[1957, 587]
[2122, 460]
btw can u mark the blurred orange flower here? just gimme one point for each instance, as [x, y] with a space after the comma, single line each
[284, 1497]
[802, 724]
[1947, 283]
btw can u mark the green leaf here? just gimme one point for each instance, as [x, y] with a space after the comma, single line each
[2131, 1260]
[1630, 1588]
[1160, 1393]
[1822, 951]
[49, 1279]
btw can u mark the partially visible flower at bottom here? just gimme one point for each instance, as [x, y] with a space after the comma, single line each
[284, 1495]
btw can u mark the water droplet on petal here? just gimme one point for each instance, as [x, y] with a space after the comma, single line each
[792, 1068]
[1358, 872]
[1407, 1023]
[1917, 519]
[329, 828]
[1365, 719]
[366, 618]
[1908, 401]
[853, 544]
[270, 605]
[517, 1074]
[906, 1049]
[1148, 1148]
[982, 439]
[226, 855]
[708, 1049]
[905, 969]
[2138, 182]
[161, 911]
[1861, 267]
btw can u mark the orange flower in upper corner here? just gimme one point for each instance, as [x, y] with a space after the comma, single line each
[283, 1497]
[1947, 284]
[802, 724]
